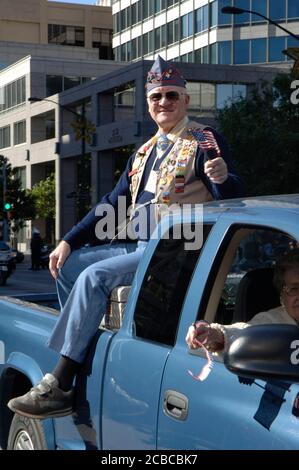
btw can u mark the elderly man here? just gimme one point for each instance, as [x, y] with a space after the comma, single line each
[185, 162]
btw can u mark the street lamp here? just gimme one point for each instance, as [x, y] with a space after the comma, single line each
[81, 127]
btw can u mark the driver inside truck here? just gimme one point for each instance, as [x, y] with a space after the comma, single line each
[217, 338]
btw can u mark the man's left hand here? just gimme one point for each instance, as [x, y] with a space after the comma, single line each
[216, 170]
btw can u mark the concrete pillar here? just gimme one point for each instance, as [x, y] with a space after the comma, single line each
[57, 198]
[58, 234]
[105, 108]
[88, 29]
[29, 223]
[105, 172]
[94, 178]
[68, 194]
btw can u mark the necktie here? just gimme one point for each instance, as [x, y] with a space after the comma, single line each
[162, 142]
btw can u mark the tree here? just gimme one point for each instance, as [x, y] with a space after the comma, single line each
[43, 194]
[263, 132]
[21, 203]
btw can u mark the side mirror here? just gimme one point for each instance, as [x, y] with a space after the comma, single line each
[268, 352]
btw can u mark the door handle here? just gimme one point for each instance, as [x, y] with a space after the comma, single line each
[175, 405]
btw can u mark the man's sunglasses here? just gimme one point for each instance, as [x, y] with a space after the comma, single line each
[169, 95]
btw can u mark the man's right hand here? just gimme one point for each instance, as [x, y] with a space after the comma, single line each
[58, 256]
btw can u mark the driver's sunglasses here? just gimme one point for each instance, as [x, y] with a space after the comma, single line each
[169, 95]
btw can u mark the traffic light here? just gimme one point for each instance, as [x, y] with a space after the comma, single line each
[7, 206]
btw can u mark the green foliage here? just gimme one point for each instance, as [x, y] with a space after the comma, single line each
[22, 205]
[263, 132]
[43, 194]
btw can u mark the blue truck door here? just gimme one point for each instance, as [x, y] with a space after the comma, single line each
[139, 351]
[131, 393]
[222, 412]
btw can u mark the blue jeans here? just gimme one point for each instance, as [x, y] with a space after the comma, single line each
[84, 285]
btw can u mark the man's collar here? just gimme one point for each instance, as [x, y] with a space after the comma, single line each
[177, 130]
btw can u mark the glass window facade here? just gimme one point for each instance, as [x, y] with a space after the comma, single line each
[102, 40]
[223, 95]
[226, 93]
[293, 9]
[222, 17]
[258, 50]
[260, 6]
[276, 46]
[187, 25]
[202, 98]
[205, 17]
[70, 82]
[173, 31]
[160, 37]
[244, 18]
[205, 55]
[66, 35]
[58, 83]
[136, 48]
[214, 53]
[201, 19]
[124, 101]
[277, 9]
[214, 13]
[187, 57]
[54, 84]
[224, 52]
[13, 94]
[207, 96]
[50, 128]
[21, 174]
[19, 132]
[198, 20]
[292, 42]
[124, 96]
[241, 51]
[4, 137]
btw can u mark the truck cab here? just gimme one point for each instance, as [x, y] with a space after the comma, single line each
[136, 391]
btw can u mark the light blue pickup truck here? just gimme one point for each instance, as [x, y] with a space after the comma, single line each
[136, 391]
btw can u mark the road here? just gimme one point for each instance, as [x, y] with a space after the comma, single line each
[25, 281]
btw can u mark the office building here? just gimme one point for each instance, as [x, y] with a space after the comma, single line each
[197, 31]
[33, 26]
[39, 138]
[32, 140]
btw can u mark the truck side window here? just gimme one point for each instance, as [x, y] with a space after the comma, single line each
[164, 288]
[251, 269]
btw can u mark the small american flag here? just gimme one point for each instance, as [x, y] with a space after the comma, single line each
[207, 142]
